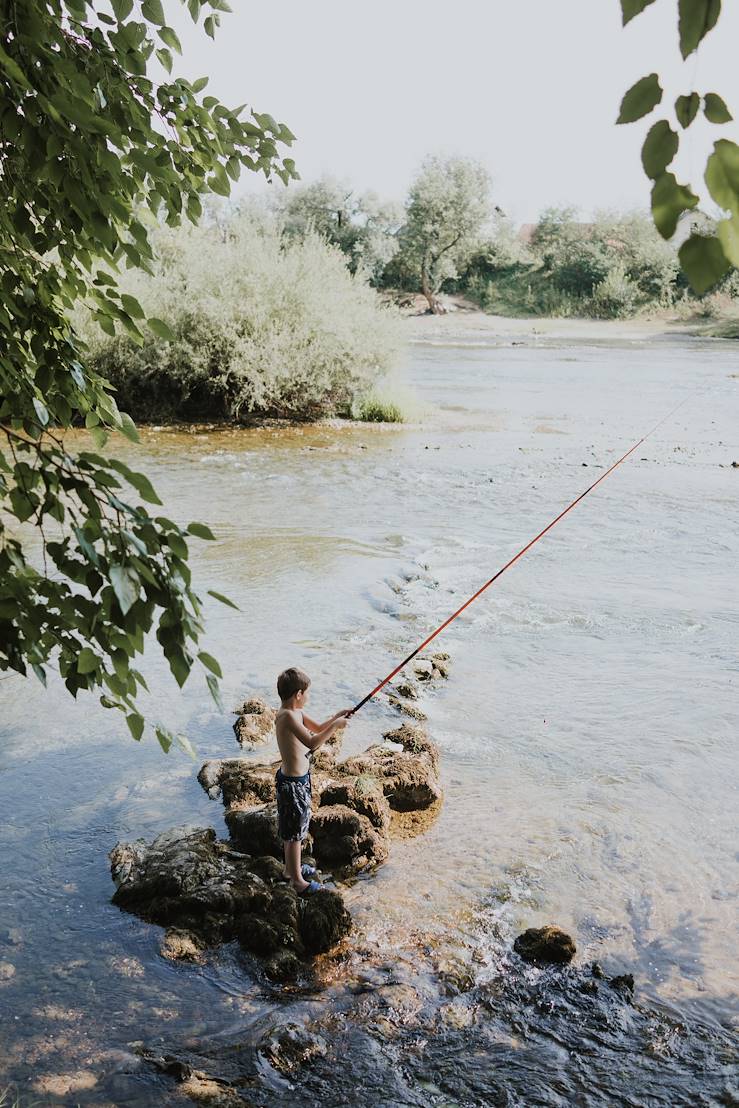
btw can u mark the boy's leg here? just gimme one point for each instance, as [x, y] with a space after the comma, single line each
[293, 850]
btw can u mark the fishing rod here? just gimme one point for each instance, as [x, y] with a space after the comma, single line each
[513, 560]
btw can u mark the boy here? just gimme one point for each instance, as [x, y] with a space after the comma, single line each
[298, 737]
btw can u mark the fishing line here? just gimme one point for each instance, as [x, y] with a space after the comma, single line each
[515, 558]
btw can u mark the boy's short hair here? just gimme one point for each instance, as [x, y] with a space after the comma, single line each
[292, 681]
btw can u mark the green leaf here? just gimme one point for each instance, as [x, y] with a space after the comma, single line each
[153, 11]
[128, 427]
[686, 108]
[100, 436]
[41, 411]
[660, 147]
[703, 261]
[640, 99]
[122, 9]
[186, 745]
[126, 585]
[169, 38]
[209, 24]
[160, 328]
[165, 739]
[715, 110]
[135, 725]
[140, 481]
[669, 201]
[200, 84]
[87, 661]
[210, 663]
[696, 19]
[165, 59]
[223, 599]
[215, 692]
[201, 531]
[219, 182]
[728, 236]
[722, 174]
[131, 306]
[630, 8]
[179, 664]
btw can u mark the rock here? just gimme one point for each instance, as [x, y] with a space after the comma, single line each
[623, 983]
[254, 830]
[409, 781]
[186, 879]
[414, 740]
[407, 709]
[255, 722]
[283, 966]
[181, 946]
[407, 689]
[342, 837]
[291, 1046]
[7, 970]
[325, 758]
[362, 794]
[431, 667]
[238, 781]
[205, 892]
[545, 945]
[324, 920]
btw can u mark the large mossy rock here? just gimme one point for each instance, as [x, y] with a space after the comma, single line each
[205, 892]
[238, 781]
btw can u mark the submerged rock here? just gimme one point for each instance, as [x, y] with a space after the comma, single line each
[291, 1046]
[205, 892]
[545, 945]
[255, 722]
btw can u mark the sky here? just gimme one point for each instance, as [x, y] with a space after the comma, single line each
[530, 88]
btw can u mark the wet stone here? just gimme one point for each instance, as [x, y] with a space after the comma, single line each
[545, 945]
[291, 1046]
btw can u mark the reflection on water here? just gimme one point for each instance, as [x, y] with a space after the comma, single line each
[587, 731]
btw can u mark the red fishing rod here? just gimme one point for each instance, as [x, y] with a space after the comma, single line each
[512, 561]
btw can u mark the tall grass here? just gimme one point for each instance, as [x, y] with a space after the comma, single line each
[262, 327]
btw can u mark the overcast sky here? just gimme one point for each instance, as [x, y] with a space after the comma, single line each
[531, 88]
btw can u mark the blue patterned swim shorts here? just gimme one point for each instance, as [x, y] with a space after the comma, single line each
[293, 806]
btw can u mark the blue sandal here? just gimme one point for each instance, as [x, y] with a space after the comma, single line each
[307, 871]
[311, 889]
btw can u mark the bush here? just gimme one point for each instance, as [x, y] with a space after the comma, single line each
[261, 328]
[616, 297]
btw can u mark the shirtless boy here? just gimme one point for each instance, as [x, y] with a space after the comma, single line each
[298, 737]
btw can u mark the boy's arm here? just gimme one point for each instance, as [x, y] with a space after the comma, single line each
[311, 723]
[314, 739]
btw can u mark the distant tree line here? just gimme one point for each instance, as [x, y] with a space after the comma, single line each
[451, 237]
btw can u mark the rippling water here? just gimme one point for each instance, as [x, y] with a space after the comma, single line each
[588, 730]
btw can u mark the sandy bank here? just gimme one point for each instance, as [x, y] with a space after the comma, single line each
[466, 324]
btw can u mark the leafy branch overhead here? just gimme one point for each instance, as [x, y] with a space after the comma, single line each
[705, 256]
[95, 151]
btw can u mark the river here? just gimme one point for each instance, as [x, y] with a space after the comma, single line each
[588, 728]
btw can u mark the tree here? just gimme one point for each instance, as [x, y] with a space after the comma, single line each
[93, 151]
[363, 227]
[706, 255]
[448, 206]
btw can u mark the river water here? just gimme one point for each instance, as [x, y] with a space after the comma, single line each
[588, 728]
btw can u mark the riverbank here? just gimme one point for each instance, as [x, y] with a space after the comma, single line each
[465, 323]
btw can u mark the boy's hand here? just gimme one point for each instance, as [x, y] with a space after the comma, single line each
[342, 718]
